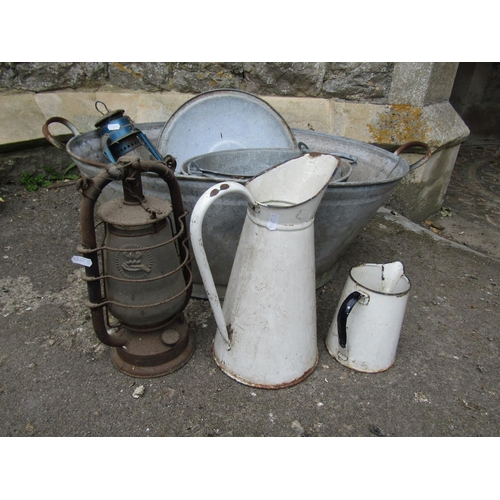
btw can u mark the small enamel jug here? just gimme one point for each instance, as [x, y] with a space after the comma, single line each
[365, 330]
[266, 329]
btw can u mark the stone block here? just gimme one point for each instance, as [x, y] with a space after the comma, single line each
[421, 84]
[159, 107]
[77, 107]
[391, 126]
[284, 78]
[21, 118]
[350, 119]
[144, 76]
[305, 113]
[421, 193]
[358, 81]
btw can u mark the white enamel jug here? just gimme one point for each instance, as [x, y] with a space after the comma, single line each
[365, 330]
[266, 329]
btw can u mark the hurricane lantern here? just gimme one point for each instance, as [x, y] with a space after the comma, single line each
[139, 279]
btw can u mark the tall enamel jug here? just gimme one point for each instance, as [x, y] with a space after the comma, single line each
[266, 329]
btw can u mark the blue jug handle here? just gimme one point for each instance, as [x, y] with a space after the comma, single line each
[344, 311]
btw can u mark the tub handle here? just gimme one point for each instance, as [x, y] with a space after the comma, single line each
[350, 158]
[51, 138]
[420, 162]
[196, 223]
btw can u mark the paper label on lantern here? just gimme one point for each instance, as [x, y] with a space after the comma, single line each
[273, 222]
[114, 126]
[77, 259]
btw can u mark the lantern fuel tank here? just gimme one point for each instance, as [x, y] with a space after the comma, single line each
[140, 269]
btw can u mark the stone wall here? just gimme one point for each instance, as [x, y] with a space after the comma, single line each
[367, 82]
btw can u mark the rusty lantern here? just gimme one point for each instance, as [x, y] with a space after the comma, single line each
[139, 279]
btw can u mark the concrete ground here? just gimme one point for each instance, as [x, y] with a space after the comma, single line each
[57, 379]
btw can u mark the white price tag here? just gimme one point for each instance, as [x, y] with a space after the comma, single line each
[273, 222]
[77, 259]
[114, 126]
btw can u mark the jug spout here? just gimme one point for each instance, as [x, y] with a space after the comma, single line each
[299, 181]
[391, 274]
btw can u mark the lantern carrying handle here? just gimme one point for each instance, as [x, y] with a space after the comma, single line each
[105, 107]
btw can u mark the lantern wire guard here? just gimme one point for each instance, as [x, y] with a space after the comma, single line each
[139, 279]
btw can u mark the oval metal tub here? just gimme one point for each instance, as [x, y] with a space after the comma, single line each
[345, 210]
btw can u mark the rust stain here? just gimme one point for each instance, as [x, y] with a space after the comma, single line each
[401, 123]
[283, 385]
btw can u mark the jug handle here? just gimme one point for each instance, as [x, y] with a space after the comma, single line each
[420, 162]
[344, 311]
[196, 223]
[51, 138]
